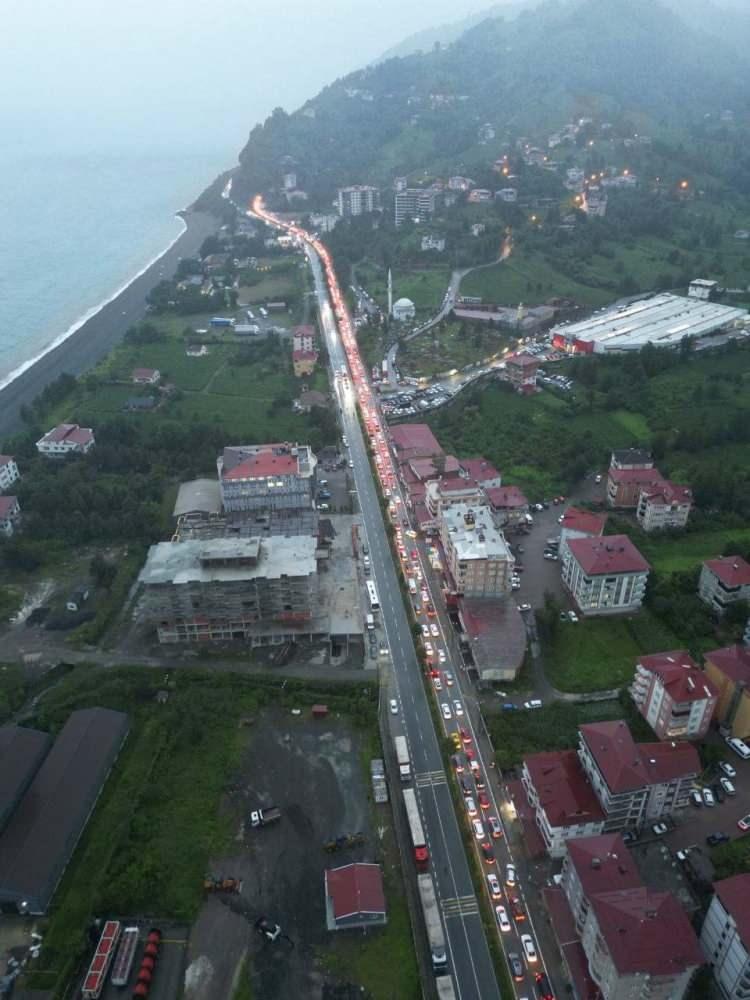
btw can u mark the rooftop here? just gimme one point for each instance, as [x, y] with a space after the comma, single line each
[680, 675]
[632, 456]
[479, 469]
[524, 361]
[427, 468]
[734, 894]
[300, 355]
[198, 496]
[457, 484]
[563, 789]
[734, 661]
[506, 497]
[4, 459]
[603, 863]
[21, 752]
[577, 519]
[355, 889]
[649, 477]
[7, 505]
[68, 432]
[229, 560]
[148, 373]
[667, 492]
[733, 571]
[264, 461]
[414, 441]
[497, 634]
[609, 554]
[626, 765]
[473, 534]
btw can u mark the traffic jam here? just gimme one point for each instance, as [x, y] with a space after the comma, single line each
[481, 812]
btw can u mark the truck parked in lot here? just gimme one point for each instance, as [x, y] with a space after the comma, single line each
[402, 756]
[262, 817]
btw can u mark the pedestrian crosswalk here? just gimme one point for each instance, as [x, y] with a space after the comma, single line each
[461, 906]
[424, 779]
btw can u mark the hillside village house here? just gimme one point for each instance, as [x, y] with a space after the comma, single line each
[521, 371]
[10, 514]
[8, 472]
[673, 695]
[508, 504]
[66, 439]
[563, 800]
[579, 523]
[724, 581]
[605, 575]
[664, 505]
[728, 670]
[146, 376]
[725, 936]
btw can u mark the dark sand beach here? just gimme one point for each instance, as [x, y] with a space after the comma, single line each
[84, 348]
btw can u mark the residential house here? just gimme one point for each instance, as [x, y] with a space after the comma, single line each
[725, 936]
[724, 581]
[477, 554]
[433, 243]
[479, 195]
[8, 472]
[145, 376]
[418, 204]
[478, 228]
[521, 372]
[508, 504]
[728, 670]
[303, 338]
[66, 439]
[594, 201]
[481, 471]
[563, 800]
[307, 400]
[673, 695]
[665, 505]
[10, 514]
[579, 523]
[303, 362]
[605, 575]
[631, 458]
[414, 441]
[625, 486]
[354, 897]
[636, 784]
[508, 195]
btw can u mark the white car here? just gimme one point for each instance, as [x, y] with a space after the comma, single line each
[426, 631]
[529, 949]
[442, 658]
[495, 891]
[501, 915]
[708, 797]
[510, 875]
[448, 675]
[659, 829]
[471, 806]
[458, 708]
[446, 709]
[598, 477]
[728, 787]
[394, 706]
[572, 617]
[428, 648]
[437, 683]
[478, 828]
[739, 746]
[524, 607]
[434, 630]
[727, 769]
[534, 703]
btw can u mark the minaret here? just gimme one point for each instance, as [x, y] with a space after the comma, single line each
[390, 294]
[520, 315]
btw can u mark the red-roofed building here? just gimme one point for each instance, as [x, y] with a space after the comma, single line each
[636, 784]
[624, 486]
[354, 897]
[605, 575]
[414, 441]
[481, 471]
[10, 514]
[596, 864]
[145, 376]
[521, 371]
[66, 439]
[563, 800]
[579, 523]
[725, 936]
[267, 477]
[508, 504]
[303, 362]
[448, 490]
[303, 338]
[723, 581]
[425, 469]
[728, 669]
[673, 695]
[666, 505]
[8, 472]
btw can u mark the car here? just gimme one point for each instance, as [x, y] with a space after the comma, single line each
[471, 806]
[437, 683]
[448, 675]
[519, 914]
[458, 761]
[456, 741]
[524, 607]
[508, 706]
[550, 555]
[465, 737]
[434, 630]
[495, 826]
[714, 839]
[659, 829]
[484, 802]
[533, 703]
[598, 477]
[516, 967]
[543, 987]
[682, 854]
[529, 950]
[351, 464]
[718, 793]
[425, 597]
[478, 827]
[428, 649]
[510, 875]
[394, 706]
[426, 631]
[474, 765]
[495, 891]
[728, 787]
[727, 769]
[458, 708]
[739, 746]
[708, 797]
[744, 823]
[478, 779]
[446, 710]
[572, 617]
[696, 798]
[466, 786]
[442, 659]
[488, 852]
[501, 915]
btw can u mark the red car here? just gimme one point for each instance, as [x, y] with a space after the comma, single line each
[484, 802]
[465, 738]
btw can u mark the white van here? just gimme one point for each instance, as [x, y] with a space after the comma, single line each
[370, 622]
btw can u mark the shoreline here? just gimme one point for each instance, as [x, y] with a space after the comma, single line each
[92, 337]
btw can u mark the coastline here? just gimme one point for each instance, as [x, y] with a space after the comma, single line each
[83, 347]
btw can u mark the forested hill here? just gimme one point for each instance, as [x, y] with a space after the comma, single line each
[635, 63]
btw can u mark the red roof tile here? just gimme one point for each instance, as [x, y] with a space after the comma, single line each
[262, 465]
[733, 571]
[667, 492]
[649, 477]
[562, 787]
[456, 484]
[145, 373]
[522, 361]
[626, 765]
[680, 675]
[576, 519]
[506, 497]
[479, 469]
[80, 435]
[734, 894]
[7, 505]
[603, 863]
[304, 356]
[734, 661]
[610, 554]
[417, 439]
[303, 331]
[4, 459]
[354, 889]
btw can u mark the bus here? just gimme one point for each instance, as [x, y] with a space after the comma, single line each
[418, 842]
[373, 596]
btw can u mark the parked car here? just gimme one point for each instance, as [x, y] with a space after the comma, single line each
[718, 793]
[533, 703]
[728, 787]
[739, 746]
[708, 797]
[501, 915]
[659, 829]
[529, 950]
[714, 839]
[524, 607]
[744, 823]
[572, 617]
[727, 769]
[696, 798]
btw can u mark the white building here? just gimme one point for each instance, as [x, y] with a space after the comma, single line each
[403, 310]
[66, 439]
[417, 204]
[605, 575]
[579, 523]
[665, 505]
[433, 243]
[8, 472]
[594, 202]
[673, 695]
[479, 559]
[724, 581]
[357, 200]
[10, 513]
[725, 937]
[564, 803]
[508, 195]
[702, 288]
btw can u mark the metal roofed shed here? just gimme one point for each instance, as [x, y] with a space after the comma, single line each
[21, 754]
[200, 496]
[43, 832]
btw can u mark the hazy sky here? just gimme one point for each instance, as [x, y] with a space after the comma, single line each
[194, 74]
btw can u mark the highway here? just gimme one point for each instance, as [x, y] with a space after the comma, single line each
[469, 958]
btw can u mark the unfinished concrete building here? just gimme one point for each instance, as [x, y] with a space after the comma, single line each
[267, 477]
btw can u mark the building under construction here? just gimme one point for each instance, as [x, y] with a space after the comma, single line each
[267, 477]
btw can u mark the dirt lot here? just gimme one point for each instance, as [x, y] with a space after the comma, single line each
[312, 770]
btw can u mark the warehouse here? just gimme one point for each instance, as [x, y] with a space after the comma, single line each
[661, 320]
[42, 833]
[21, 752]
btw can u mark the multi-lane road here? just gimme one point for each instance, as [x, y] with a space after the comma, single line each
[470, 962]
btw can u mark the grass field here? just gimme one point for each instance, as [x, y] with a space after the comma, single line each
[669, 555]
[528, 278]
[450, 345]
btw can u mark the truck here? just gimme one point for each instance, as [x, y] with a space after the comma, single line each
[262, 817]
[96, 977]
[444, 987]
[124, 959]
[218, 321]
[418, 842]
[433, 923]
[402, 756]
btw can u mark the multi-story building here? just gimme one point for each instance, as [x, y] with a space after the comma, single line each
[725, 936]
[638, 944]
[261, 590]
[594, 201]
[433, 243]
[664, 505]
[631, 458]
[357, 200]
[521, 372]
[579, 523]
[418, 204]
[635, 783]
[728, 670]
[508, 504]
[449, 490]
[303, 338]
[673, 695]
[724, 581]
[605, 575]
[10, 515]
[563, 800]
[303, 362]
[481, 471]
[267, 477]
[625, 486]
[8, 472]
[66, 439]
[479, 559]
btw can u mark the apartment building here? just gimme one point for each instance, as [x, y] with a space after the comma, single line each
[579, 523]
[724, 581]
[673, 695]
[664, 505]
[479, 559]
[449, 490]
[8, 472]
[636, 784]
[728, 670]
[303, 338]
[357, 200]
[267, 477]
[638, 943]
[564, 803]
[605, 575]
[508, 504]
[10, 515]
[64, 440]
[482, 472]
[725, 936]
[521, 372]
[418, 204]
[631, 458]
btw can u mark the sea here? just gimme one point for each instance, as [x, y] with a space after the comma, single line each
[77, 227]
